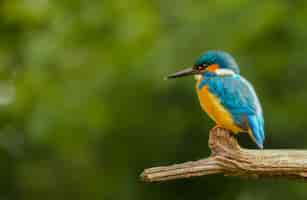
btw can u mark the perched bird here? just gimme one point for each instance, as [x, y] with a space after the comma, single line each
[228, 98]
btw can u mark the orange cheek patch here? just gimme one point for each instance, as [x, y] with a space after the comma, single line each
[213, 67]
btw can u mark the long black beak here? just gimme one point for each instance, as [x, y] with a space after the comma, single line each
[182, 73]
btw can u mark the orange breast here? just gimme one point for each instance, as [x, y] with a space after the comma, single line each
[212, 106]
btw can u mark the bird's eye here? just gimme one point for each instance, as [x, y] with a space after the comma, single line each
[201, 67]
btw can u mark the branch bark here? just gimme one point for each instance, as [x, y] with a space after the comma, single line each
[228, 158]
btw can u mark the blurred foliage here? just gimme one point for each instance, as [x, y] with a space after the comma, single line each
[92, 109]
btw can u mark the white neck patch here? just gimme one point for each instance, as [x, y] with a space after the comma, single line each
[198, 77]
[224, 72]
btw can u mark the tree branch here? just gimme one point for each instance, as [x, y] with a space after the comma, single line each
[228, 158]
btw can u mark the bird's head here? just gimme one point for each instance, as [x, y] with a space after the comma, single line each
[214, 62]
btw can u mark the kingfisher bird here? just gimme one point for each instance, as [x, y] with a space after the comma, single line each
[227, 97]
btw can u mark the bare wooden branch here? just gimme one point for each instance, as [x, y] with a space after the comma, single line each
[228, 158]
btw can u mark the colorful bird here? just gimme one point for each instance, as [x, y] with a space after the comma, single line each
[228, 98]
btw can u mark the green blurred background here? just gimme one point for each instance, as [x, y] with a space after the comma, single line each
[92, 110]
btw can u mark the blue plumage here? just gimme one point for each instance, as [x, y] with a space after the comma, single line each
[255, 123]
[238, 97]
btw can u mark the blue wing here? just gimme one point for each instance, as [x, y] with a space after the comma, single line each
[239, 98]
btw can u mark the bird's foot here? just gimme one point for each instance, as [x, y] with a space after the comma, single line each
[219, 126]
[216, 127]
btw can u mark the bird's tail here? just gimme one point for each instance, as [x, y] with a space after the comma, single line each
[256, 129]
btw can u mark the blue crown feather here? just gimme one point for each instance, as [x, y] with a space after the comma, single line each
[223, 59]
